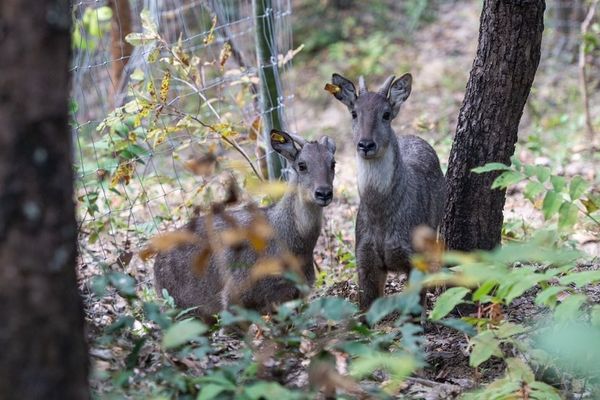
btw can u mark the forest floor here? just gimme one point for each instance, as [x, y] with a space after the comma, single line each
[440, 57]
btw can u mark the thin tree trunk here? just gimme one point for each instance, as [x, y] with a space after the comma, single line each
[42, 347]
[120, 50]
[507, 57]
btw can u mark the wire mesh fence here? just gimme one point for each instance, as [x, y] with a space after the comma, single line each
[164, 90]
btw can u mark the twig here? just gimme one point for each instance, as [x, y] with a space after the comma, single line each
[232, 143]
[582, 70]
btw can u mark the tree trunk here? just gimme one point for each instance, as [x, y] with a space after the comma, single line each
[120, 50]
[42, 346]
[507, 57]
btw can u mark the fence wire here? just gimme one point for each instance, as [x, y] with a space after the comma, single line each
[130, 184]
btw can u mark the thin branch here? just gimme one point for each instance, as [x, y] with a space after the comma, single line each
[582, 70]
[232, 143]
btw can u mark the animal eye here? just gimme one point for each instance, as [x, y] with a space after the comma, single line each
[333, 165]
[354, 115]
[386, 115]
[302, 166]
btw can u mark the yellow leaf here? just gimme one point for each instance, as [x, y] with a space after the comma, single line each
[210, 37]
[278, 137]
[164, 86]
[123, 174]
[333, 89]
[275, 189]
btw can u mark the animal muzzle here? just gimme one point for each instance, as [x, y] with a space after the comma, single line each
[366, 148]
[323, 195]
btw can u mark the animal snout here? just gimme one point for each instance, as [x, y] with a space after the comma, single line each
[324, 194]
[366, 146]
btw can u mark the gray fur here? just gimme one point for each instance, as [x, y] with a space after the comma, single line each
[400, 182]
[296, 221]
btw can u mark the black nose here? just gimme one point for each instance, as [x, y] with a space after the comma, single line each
[366, 146]
[323, 193]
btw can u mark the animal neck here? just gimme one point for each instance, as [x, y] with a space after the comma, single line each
[381, 174]
[302, 217]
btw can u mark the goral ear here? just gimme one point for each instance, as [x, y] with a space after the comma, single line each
[399, 92]
[329, 143]
[343, 89]
[283, 144]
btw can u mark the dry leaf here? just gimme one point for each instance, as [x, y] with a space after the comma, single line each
[225, 54]
[255, 129]
[202, 166]
[201, 261]
[267, 266]
[233, 237]
[166, 242]
[259, 233]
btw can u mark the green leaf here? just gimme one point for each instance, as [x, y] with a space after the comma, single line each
[140, 39]
[210, 391]
[542, 173]
[124, 283]
[104, 14]
[331, 308]
[485, 345]
[459, 325]
[508, 329]
[558, 182]
[522, 285]
[567, 215]
[581, 278]
[577, 187]
[517, 369]
[268, 391]
[400, 366]
[406, 303]
[147, 23]
[547, 297]
[484, 289]
[137, 75]
[533, 190]
[568, 310]
[595, 316]
[491, 167]
[506, 179]
[447, 301]
[551, 204]
[182, 332]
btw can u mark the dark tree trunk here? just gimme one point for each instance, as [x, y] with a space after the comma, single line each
[507, 57]
[42, 347]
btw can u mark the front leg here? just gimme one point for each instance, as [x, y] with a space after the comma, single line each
[371, 275]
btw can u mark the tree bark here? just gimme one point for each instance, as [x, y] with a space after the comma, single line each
[42, 346]
[508, 54]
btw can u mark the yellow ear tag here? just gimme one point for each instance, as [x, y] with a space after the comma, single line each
[277, 137]
[331, 88]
